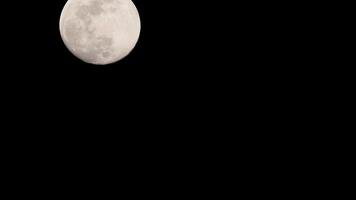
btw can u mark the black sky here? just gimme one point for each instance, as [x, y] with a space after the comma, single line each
[184, 46]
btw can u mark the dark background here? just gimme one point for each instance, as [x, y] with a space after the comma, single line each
[39, 50]
[193, 61]
[206, 80]
[176, 40]
[180, 44]
[179, 66]
[183, 50]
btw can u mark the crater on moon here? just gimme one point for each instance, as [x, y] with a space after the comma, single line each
[100, 31]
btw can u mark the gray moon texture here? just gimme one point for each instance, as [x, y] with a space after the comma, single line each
[100, 31]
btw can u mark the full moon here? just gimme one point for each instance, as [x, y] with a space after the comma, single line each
[100, 31]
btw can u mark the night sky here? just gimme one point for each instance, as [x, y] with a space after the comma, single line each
[196, 63]
[182, 50]
[173, 58]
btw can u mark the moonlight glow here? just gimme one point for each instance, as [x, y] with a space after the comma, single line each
[100, 31]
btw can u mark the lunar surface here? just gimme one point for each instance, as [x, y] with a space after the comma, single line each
[100, 31]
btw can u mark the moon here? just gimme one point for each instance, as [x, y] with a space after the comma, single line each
[100, 32]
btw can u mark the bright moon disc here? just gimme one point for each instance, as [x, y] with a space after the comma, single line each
[100, 31]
